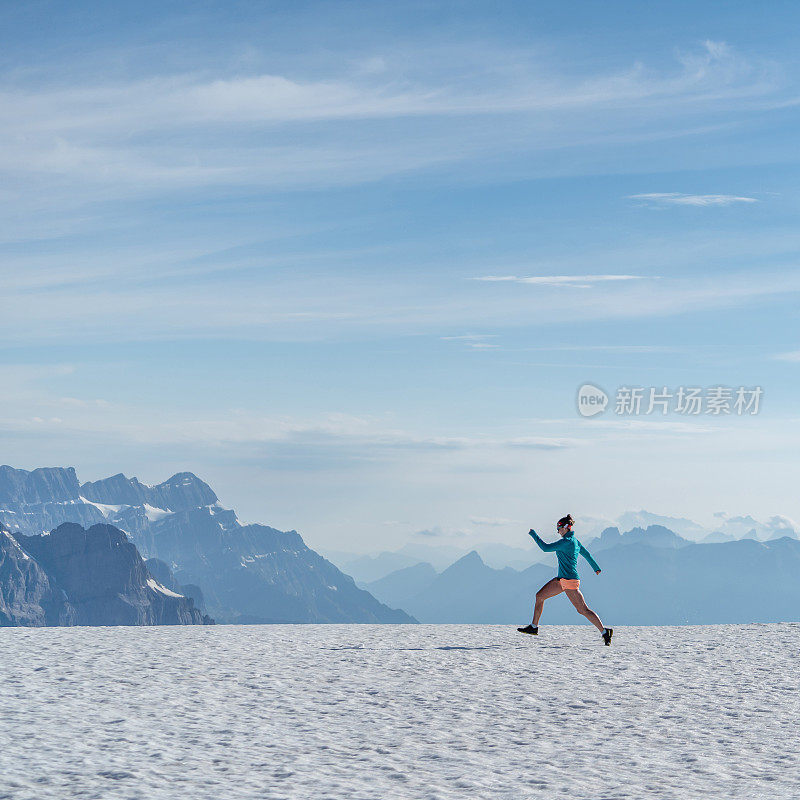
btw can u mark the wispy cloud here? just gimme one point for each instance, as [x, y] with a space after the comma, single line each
[573, 281]
[220, 129]
[106, 140]
[678, 199]
[607, 348]
[658, 426]
[469, 337]
[31, 408]
[438, 532]
[793, 355]
[475, 341]
[493, 522]
[430, 533]
[303, 307]
[444, 83]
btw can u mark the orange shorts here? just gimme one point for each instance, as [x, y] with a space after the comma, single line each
[569, 583]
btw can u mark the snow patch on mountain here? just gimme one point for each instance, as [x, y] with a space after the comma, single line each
[15, 545]
[154, 514]
[162, 589]
[106, 509]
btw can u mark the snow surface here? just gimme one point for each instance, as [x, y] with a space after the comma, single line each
[377, 712]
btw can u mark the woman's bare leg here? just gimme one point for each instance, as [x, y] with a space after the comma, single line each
[550, 589]
[576, 598]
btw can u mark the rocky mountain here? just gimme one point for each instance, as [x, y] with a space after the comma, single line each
[645, 580]
[687, 528]
[27, 595]
[653, 535]
[74, 576]
[40, 500]
[182, 491]
[243, 573]
[46, 485]
[163, 574]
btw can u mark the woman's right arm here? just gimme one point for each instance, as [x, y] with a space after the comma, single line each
[547, 547]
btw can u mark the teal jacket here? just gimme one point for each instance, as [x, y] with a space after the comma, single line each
[566, 549]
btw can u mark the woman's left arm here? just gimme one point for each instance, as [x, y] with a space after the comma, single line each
[588, 556]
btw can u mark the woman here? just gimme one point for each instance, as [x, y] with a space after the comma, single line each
[567, 581]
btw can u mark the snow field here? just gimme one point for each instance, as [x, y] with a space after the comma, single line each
[428, 711]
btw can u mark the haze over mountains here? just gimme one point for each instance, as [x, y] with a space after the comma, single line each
[649, 576]
[369, 567]
[244, 573]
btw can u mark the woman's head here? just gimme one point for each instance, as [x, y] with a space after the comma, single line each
[565, 524]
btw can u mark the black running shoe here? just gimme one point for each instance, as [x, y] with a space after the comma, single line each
[529, 629]
[607, 634]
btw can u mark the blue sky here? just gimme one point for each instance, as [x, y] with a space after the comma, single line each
[262, 241]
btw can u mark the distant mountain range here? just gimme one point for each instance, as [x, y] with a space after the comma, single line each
[117, 551]
[649, 576]
[366, 568]
[243, 573]
[725, 527]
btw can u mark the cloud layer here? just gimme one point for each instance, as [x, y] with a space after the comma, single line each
[574, 281]
[181, 131]
[701, 200]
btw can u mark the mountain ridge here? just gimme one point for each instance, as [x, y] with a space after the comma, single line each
[77, 576]
[245, 573]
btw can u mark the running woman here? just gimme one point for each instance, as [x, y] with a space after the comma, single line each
[566, 550]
